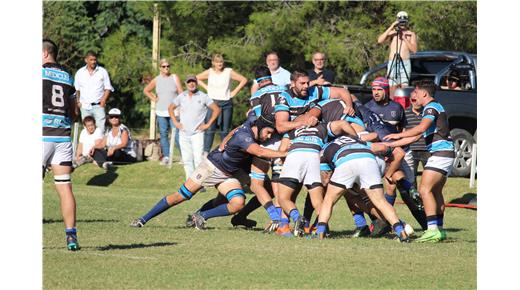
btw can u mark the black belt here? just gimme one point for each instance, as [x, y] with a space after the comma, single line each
[93, 104]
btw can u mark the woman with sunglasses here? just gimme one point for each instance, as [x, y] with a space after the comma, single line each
[167, 86]
[117, 145]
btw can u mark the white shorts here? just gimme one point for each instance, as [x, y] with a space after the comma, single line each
[302, 166]
[57, 154]
[442, 165]
[381, 163]
[364, 171]
[207, 174]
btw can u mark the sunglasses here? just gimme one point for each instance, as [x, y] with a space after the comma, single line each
[112, 117]
[165, 66]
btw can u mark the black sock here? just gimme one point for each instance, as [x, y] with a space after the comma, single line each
[251, 206]
[308, 209]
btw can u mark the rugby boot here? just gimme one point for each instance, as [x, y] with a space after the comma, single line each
[72, 243]
[284, 231]
[198, 221]
[299, 225]
[137, 223]
[271, 227]
[443, 234]
[430, 236]
[381, 228]
[361, 232]
[238, 220]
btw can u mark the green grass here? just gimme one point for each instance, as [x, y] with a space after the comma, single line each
[164, 254]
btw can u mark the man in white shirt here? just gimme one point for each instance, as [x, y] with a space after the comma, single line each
[90, 138]
[193, 106]
[93, 87]
[279, 75]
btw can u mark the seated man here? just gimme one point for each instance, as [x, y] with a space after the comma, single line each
[217, 170]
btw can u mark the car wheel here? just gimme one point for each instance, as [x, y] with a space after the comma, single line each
[463, 142]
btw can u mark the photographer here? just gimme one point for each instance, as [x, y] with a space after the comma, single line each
[402, 42]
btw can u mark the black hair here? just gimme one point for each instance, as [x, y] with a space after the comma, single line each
[91, 53]
[298, 73]
[50, 47]
[88, 119]
[427, 85]
[262, 71]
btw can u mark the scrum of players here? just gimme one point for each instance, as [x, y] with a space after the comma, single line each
[323, 138]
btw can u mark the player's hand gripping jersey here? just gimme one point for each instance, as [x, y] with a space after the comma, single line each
[58, 100]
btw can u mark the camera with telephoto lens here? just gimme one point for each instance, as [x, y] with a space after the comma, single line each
[402, 20]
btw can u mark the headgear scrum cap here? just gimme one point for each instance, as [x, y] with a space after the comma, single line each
[381, 82]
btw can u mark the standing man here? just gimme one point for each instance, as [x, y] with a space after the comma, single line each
[193, 106]
[405, 40]
[59, 111]
[279, 75]
[93, 87]
[436, 132]
[167, 86]
[319, 75]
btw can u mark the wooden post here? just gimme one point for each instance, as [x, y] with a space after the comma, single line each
[155, 60]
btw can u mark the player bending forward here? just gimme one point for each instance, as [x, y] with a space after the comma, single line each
[217, 170]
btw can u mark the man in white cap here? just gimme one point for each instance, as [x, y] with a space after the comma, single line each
[402, 41]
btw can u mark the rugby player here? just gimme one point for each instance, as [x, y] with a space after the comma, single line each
[302, 167]
[218, 170]
[434, 127]
[59, 111]
[354, 162]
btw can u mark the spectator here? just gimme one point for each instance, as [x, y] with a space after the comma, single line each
[118, 143]
[167, 86]
[193, 105]
[58, 110]
[401, 37]
[219, 90]
[279, 75]
[93, 87]
[319, 75]
[452, 82]
[89, 137]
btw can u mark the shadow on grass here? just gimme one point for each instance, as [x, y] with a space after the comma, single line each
[104, 179]
[467, 198]
[52, 221]
[133, 246]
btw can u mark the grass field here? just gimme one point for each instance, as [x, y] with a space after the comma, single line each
[164, 254]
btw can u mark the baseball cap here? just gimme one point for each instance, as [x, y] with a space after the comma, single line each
[114, 112]
[191, 78]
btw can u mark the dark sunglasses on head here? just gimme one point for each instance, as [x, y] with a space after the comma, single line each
[165, 66]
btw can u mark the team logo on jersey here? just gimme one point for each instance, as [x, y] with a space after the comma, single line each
[393, 113]
[249, 139]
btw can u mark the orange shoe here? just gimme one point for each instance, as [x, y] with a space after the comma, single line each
[284, 231]
[309, 230]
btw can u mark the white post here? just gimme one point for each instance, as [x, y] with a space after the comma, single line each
[172, 147]
[75, 137]
[473, 166]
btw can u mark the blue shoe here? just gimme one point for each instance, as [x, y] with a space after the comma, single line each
[72, 243]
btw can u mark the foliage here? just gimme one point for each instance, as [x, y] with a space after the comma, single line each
[243, 31]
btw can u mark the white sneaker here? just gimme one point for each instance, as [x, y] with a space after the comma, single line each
[107, 165]
[165, 160]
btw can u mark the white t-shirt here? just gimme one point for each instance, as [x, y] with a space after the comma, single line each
[88, 140]
[218, 84]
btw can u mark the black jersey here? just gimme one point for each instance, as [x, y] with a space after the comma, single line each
[342, 149]
[58, 97]
[332, 110]
[264, 100]
[310, 139]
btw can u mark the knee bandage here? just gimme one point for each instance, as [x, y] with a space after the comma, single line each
[234, 193]
[257, 176]
[185, 192]
[62, 179]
